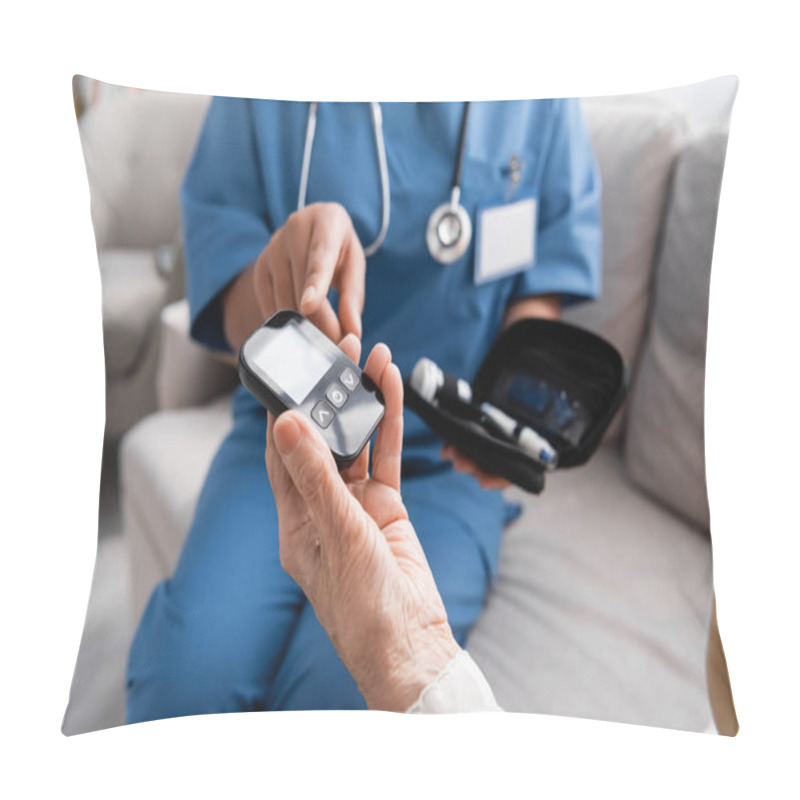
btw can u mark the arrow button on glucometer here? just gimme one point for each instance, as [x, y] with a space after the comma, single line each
[349, 379]
[322, 414]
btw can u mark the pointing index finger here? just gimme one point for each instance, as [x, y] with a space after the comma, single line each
[387, 455]
[325, 245]
[349, 282]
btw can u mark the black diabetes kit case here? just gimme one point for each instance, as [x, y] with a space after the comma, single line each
[564, 382]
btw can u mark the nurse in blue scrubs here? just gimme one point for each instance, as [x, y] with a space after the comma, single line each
[231, 631]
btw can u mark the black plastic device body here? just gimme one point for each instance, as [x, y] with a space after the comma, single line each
[562, 381]
[288, 363]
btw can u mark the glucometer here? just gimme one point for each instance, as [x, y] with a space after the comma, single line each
[288, 363]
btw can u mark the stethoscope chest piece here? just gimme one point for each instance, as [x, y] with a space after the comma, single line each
[449, 227]
[449, 232]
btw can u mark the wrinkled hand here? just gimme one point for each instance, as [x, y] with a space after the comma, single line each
[347, 541]
[463, 464]
[316, 249]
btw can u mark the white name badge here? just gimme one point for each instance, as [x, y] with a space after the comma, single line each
[506, 240]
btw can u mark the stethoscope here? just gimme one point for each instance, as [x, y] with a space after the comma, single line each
[449, 228]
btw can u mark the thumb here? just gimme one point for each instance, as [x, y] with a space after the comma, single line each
[312, 469]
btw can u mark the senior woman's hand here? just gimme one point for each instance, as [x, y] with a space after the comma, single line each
[347, 541]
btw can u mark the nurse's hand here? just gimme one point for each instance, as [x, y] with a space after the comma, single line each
[463, 464]
[347, 541]
[316, 249]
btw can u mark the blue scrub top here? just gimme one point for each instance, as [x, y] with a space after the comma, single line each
[243, 182]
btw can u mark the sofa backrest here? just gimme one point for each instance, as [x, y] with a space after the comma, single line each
[136, 147]
[636, 139]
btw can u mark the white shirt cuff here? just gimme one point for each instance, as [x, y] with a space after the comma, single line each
[460, 686]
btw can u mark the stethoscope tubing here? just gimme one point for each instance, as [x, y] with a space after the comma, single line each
[380, 146]
[441, 252]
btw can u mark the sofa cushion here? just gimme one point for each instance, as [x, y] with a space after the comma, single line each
[664, 451]
[636, 140]
[607, 620]
[163, 463]
[601, 607]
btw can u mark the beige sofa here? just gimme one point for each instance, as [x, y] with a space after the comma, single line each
[603, 606]
[136, 147]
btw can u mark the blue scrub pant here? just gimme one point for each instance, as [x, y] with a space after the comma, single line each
[231, 631]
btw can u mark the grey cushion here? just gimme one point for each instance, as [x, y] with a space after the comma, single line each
[664, 451]
[601, 606]
[636, 139]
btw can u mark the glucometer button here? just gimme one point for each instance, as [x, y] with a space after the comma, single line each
[322, 414]
[349, 379]
[336, 395]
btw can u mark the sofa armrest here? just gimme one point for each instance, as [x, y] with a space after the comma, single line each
[133, 293]
[189, 374]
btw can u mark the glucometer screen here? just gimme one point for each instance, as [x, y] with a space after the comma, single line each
[293, 362]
